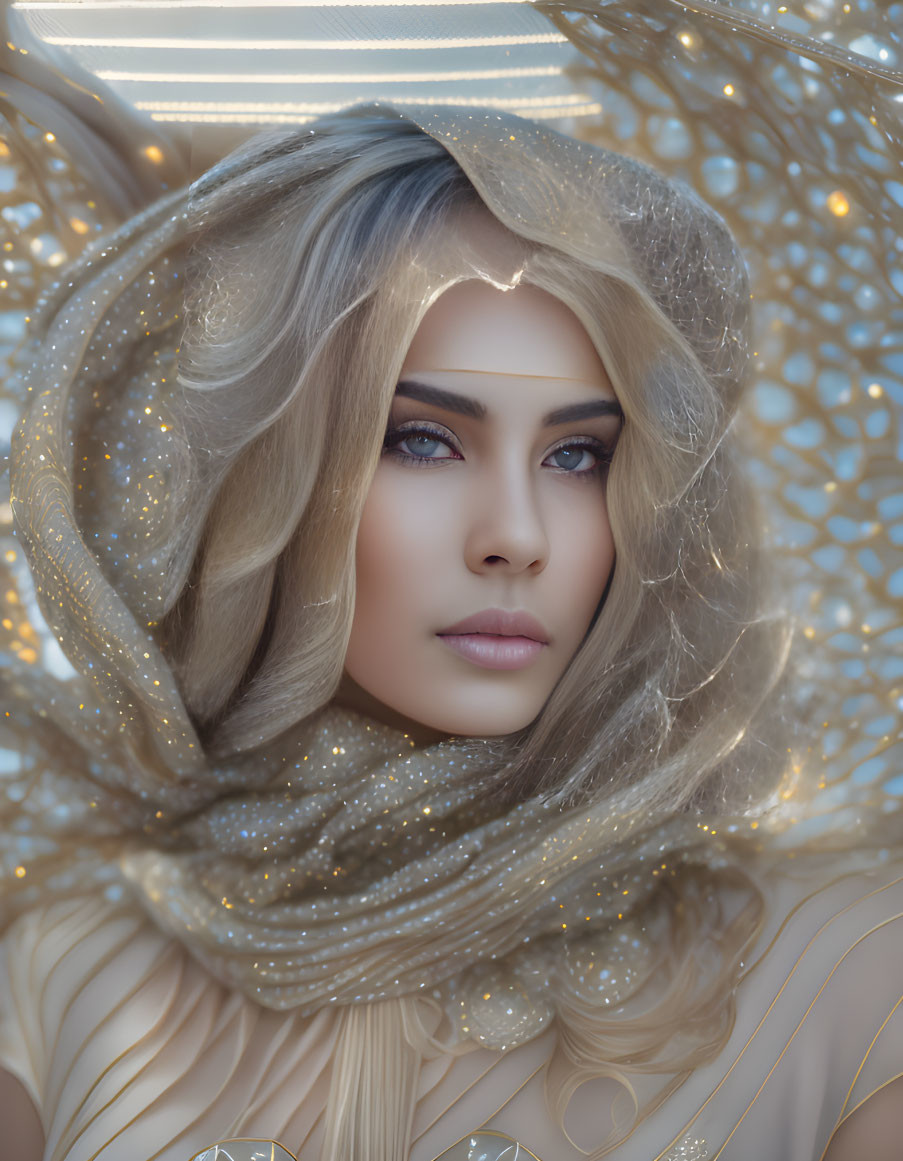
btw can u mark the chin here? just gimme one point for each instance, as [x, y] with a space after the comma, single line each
[480, 722]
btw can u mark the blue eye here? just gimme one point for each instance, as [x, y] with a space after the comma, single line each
[579, 459]
[418, 445]
[572, 458]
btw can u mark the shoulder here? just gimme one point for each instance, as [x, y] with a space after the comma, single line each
[818, 1028]
[50, 956]
[863, 1021]
[23, 1135]
[874, 1129]
[820, 1016]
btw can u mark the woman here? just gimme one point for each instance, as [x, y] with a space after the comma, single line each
[405, 328]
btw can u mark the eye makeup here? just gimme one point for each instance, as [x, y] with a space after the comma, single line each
[427, 434]
[417, 440]
[423, 439]
[601, 452]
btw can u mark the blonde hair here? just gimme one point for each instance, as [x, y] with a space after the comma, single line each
[315, 256]
[314, 263]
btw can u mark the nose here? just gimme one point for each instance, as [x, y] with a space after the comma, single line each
[507, 533]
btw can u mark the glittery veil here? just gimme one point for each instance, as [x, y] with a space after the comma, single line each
[96, 470]
[110, 768]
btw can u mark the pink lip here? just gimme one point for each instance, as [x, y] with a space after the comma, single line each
[496, 639]
[500, 623]
[493, 652]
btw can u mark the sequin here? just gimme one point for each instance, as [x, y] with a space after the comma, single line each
[689, 1149]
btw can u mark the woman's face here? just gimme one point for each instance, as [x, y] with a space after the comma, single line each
[484, 547]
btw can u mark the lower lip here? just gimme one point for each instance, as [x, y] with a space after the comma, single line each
[494, 652]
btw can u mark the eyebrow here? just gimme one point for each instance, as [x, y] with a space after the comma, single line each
[465, 405]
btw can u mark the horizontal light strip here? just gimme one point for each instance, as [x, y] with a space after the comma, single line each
[540, 112]
[153, 5]
[328, 78]
[199, 44]
[317, 107]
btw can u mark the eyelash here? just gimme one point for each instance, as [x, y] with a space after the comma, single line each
[397, 435]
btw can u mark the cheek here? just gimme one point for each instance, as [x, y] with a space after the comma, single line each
[380, 559]
[583, 553]
[398, 551]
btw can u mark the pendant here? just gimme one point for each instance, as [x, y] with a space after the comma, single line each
[244, 1149]
[483, 1145]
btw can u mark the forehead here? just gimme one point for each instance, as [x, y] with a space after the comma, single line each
[475, 326]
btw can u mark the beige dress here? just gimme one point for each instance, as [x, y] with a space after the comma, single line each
[132, 1052]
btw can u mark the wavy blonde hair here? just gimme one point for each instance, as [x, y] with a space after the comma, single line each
[315, 257]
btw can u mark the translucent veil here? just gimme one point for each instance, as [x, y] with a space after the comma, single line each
[794, 136]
